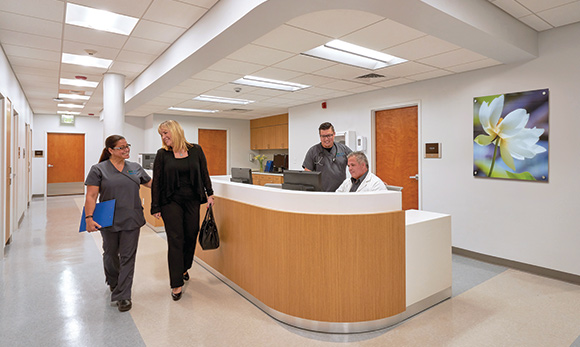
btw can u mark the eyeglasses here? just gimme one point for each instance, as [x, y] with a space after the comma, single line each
[123, 147]
[327, 136]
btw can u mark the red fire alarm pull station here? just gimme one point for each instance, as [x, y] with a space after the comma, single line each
[324, 104]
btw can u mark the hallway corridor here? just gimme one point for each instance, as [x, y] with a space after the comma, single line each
[54, 294]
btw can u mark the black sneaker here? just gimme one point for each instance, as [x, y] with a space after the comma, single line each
[124, 305]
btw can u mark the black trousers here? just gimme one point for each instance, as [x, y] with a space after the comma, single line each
[119, 253]
[181, 219]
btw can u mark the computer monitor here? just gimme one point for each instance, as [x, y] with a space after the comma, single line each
[302, 180]
[241, 175]
[280, 162]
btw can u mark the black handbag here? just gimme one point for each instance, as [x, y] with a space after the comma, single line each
[208, 234]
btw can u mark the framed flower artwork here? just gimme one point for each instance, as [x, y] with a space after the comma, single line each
[510, 136]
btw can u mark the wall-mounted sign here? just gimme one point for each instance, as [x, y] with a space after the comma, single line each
[67, 119]
[432, 150]
[38, 153]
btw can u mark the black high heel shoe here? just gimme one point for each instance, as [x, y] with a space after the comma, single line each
[186, 276]
[176, 296]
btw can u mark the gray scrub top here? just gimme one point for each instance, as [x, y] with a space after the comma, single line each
[122, 186]
[332, 164]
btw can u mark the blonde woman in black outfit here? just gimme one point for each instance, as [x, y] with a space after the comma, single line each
[181, 184]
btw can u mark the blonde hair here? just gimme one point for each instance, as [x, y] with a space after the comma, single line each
[177, 136]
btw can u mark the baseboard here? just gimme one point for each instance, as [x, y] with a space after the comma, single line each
[536, 270]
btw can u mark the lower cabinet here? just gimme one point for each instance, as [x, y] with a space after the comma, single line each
[262, 179]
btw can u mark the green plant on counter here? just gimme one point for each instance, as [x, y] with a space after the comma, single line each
[260, 158]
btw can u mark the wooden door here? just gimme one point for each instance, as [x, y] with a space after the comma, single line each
[397, 156]
[8, 165]
[28, 157]
[215, 146]
[65, 155]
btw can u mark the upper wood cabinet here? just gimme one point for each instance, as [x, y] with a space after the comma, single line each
[269, 132]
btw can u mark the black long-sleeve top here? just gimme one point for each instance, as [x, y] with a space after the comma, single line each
[166, 176]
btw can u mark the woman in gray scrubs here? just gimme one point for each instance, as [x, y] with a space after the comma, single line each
[116, 178]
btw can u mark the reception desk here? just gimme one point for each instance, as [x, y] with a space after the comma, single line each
[331, 262]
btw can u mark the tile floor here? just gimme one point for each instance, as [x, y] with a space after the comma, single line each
[53, 294]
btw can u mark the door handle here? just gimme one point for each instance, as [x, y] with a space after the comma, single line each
[50, 165]
[416, 177]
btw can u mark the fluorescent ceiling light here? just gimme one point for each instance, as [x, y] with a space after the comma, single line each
[71, 105]
[270, 84]
[74, 96]
[191, 110]
[68, 112]
[222, 100]
[99, 19]
[86, 60]
[347, 53]
[78, 83]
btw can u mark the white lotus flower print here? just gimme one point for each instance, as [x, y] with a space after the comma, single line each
[509, 133]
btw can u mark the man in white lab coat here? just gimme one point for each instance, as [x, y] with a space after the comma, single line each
[361, 179]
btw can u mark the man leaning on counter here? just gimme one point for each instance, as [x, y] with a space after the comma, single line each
[328, 157]
[361, 179]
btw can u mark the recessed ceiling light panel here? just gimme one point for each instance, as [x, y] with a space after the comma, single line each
[78, 83]
[86, 60]
[347, 53]
[222, 100]
[191, 110]
[99, 19]
[73, 96]
[71, 105]
[270, 83]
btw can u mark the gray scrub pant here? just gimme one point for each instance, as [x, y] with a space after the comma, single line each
[120, 250]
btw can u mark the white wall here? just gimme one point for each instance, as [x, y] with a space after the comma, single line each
[10, 88]
[141, 133]
[530, 222]
[238, 135]
[94, 143]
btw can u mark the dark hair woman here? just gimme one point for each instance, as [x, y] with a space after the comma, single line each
[180, 184]
[114, 177]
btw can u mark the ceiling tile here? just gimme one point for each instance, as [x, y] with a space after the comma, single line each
[291, 39]
[541, 5]
[34, 63]
[217, 76]
[342, 85]
[201, 3]
[335, 23]
[235, 67]
[259, 55]
[27, 40]
[93, 38]
[196, 86]
[535, 22]
[459, 56]
[74, 47]
[32, 53]
[136, 57]
[422, 47]
[157, 31]
[514, 8]
[312, 80]
[474, 65]
[394, 82]
[429, 75]
[28, 70]
[305, 64]
[342, 71]
[405, 69]
[137, 44]
[29, 25]
[382, 35]
[562, 15]
[174, 13]
[52, 10]
[277, 74]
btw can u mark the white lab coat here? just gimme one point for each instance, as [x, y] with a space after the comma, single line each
[371, 183]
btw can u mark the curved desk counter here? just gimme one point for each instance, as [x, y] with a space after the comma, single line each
[321, 261]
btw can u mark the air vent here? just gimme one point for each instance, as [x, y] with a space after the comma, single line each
[371, 75]
[238, 110]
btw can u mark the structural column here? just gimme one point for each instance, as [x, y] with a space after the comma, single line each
[113, 104]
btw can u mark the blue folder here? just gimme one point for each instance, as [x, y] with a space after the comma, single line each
[103, 215]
